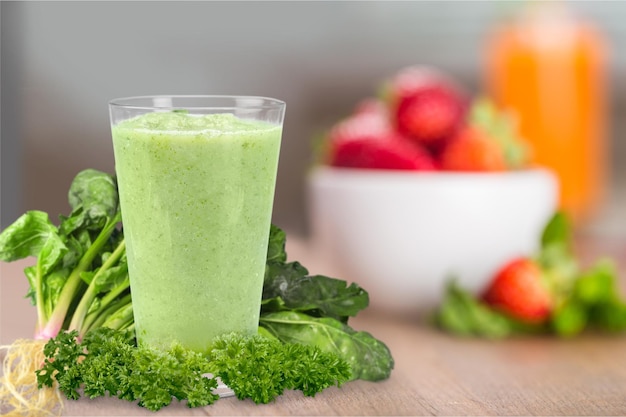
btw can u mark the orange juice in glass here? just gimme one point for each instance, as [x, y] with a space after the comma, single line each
[550, 68]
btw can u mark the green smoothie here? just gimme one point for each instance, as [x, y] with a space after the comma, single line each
[196, 193]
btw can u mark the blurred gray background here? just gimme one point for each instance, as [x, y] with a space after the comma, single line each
[61, 62]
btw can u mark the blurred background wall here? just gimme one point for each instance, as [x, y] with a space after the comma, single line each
[61, 62]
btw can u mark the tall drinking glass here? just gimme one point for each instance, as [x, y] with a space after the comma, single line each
[196, 178]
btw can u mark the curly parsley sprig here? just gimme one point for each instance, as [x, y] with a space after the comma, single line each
[261, 368]
[108, 362]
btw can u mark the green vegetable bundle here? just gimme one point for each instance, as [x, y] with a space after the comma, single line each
[108, 362]
[80, 281]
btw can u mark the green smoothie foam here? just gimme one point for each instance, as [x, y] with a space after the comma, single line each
[196, 194]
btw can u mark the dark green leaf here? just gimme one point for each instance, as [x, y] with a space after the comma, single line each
[275, 271]
[77, 246]
[93, 198]
[75, 221]
[276, 247]
[95, 192]
[609, 315]
[369, 358]
[318, 295]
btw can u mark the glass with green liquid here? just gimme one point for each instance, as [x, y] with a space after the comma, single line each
[196, 177]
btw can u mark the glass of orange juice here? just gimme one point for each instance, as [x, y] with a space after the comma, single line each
[550, 68]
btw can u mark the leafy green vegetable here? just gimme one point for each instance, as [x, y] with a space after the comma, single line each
[80, 263]
[317, 295]
[288, 287]
[276, 246]
[80, 282]
[94, 199]
[369, 358]
[261, 369]
[461, 313]
[63, 355]
[314, 310]
[107, 362]
[27, 236]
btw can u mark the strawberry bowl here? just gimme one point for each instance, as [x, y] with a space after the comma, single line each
[422, 185]
[402, 234]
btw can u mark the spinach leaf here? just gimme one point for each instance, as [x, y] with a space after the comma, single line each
[94, 199]
[276, 245]
[288, 286]
[34, 235]
[95, 191]
[318, 295]
[369, 358]
[31, 234]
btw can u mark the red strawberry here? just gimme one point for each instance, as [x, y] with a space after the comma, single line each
[384, 152]
[367, 140]
[471, 149]
[517, 290]
[427, 106]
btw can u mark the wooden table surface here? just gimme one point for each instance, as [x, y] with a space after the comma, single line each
[435, 373]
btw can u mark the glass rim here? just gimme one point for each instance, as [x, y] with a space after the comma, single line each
[131, 102]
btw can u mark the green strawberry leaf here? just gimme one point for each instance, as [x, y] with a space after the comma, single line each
[462, 314]
[503, 128]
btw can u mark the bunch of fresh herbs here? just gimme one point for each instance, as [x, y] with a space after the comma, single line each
[80, 286]
[108, 362]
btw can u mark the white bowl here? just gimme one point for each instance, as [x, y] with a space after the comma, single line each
[401, 235]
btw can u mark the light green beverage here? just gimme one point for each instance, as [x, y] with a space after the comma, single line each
[196, 194]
